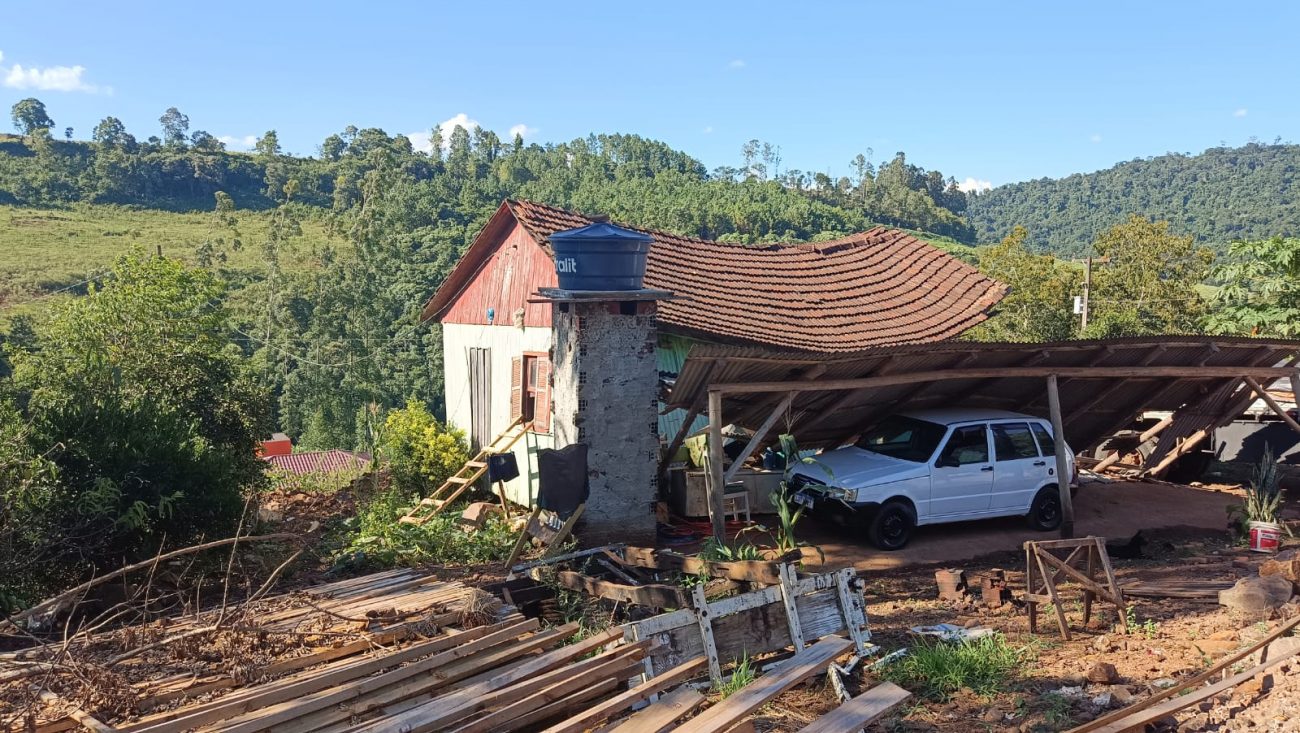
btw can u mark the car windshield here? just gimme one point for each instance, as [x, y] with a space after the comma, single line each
[903, 437]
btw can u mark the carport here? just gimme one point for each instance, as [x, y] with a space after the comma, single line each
[1090, 390]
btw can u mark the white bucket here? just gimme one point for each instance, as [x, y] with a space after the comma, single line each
[1265, 536]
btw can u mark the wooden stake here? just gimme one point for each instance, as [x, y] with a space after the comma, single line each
[1272, 403]
[1062, 459]
[716, 483]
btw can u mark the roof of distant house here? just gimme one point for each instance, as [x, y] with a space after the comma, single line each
[319, 461]
[882, 286]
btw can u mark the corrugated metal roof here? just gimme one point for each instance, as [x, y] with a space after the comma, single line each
[1093, 408]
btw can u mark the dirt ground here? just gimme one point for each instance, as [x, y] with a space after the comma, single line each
[1114, 509]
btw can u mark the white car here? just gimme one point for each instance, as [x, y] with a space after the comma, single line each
[935, 466]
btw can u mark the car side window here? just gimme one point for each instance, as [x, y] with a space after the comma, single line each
[1045, 442]
[1013, 441]
[968, 444]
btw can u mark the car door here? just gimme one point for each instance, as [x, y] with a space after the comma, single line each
[1018, 469]
[962, 479]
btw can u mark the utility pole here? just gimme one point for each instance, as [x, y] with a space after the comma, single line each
[1087, 286]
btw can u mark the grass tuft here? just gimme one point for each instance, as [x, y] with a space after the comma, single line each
[938, 669]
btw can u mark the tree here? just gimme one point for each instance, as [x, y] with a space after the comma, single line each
[67, 133]
[204, 141]
[111, 133]
[29, 116]
[1037, 307]
[268, 145]
[138, 398]
[1149, 286]
[175, 127]
[1260, 289]
[419, 451]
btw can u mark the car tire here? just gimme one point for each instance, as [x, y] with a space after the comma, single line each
[892, 526]
[1045, 512]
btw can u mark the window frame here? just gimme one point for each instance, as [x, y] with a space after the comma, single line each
[1033, 440]
[988, 447]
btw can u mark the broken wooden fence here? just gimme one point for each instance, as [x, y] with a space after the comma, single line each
[783, 615]
[1043, 570]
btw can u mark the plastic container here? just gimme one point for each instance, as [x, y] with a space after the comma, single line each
[600, 257]
[1265, 536]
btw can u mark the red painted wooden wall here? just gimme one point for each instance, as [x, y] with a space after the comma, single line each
[515, 269]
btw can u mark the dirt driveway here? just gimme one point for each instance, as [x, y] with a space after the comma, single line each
[1114, 509]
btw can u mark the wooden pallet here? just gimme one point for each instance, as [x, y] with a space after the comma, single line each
[459, 482]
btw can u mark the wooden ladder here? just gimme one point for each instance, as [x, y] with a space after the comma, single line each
[466, 475]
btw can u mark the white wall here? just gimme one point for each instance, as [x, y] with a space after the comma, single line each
[506, 343]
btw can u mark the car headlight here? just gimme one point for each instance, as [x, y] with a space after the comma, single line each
[851, 495]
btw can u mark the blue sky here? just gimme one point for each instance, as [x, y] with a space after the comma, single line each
[989, 91]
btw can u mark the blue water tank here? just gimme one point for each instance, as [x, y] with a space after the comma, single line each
[600, 256]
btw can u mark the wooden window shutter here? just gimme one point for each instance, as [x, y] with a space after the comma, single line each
[516, 388]
[542, 409]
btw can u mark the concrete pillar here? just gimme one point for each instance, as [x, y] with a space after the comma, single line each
[604, 392]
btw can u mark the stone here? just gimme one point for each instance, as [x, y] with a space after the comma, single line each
[269, 516]
[1103, 700]
[1279, 647]
[1257, 595]
[1285, 564]
[1163, 683]
[1121, 694]
[1225, 635]
[1103, 673]
[992, 715]
[1216, 647]
[1103, 644]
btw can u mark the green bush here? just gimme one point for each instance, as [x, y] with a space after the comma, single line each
[145, 421]
[938, 669]
[419, 452]
[376, 539]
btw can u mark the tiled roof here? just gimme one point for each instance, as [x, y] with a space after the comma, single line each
[882, 286]
[319, 461]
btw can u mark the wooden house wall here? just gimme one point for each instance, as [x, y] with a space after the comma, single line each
[517, 267]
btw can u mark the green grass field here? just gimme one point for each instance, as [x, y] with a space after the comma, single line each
[45, 250]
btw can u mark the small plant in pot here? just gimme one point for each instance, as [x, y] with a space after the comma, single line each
[1256, 517]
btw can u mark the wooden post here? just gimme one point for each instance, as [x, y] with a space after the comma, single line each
[1295, 388]
[1062, 458]
[1272, 403]
[758, 436]
[715, 484]
[1150, 433]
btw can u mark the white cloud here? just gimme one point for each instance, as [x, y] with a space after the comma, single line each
[974, 185]
[1240, 112]
[420, 141]
[238, 143]
[1094, 138]
[49, 79]
[736, 64]
[522, 130]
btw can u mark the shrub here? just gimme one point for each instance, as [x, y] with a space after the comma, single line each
[146, 416]
[420, 453]
[937, 669]
[377, 539]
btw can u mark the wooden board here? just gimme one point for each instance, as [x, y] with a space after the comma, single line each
[654, 595]
[757, 571]
[807, 663]
[662, 715]
[861, 711]
[638, 694]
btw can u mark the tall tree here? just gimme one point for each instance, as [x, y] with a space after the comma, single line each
[175, 126]
[110, 132]
[1149, 285]
[29, 116]
[1037, 308]
[1260, 289]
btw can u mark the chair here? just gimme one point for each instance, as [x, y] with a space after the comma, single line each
[735, 501]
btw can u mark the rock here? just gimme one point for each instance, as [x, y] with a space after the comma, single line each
[1103, 644]
[1280, 647]
[992, 715]
[1258, 595]
[1216, 647]
[1225, 635]
[1121, 694]
[1103, 673]
[1285, 564]
[1103, 700]
[1163, 683]
[268, 515]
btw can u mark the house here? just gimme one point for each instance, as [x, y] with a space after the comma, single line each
[878, 287]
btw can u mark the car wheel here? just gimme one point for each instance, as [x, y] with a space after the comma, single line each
[892, 526]
[1045, 513]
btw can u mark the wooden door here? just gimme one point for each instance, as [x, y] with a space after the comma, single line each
[480, 398]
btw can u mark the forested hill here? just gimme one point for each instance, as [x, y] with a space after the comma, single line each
[1223, 194]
